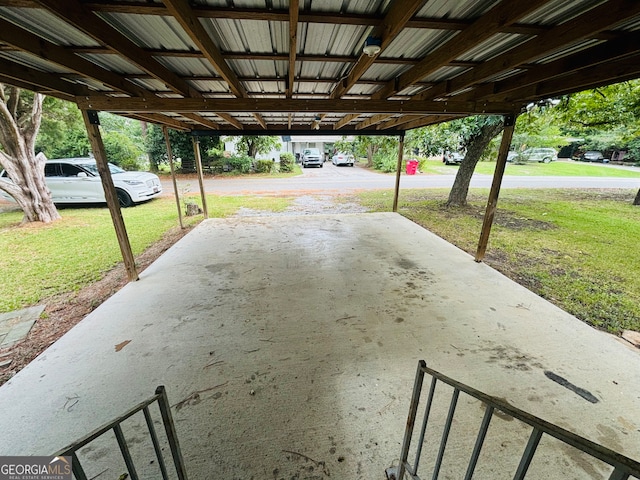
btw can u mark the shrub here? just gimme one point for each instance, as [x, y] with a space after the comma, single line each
[286, 162]
[263, 166]
[239, 163]
[385, 162]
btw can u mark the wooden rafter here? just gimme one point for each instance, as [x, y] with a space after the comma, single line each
[579, 28]
[600, 54]
[28, 42]
[76, 14]
[42, 80]
[160, 120]
[115, 104]
[294, 10]
[507, 12]
[181, 11]
[394, 21]
[627, 68]
[202, 121]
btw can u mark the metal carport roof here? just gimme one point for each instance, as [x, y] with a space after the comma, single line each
[260, 65]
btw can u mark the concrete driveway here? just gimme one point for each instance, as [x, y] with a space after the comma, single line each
[332, 179]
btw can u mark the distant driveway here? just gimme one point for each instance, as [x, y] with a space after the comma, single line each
[332, 179]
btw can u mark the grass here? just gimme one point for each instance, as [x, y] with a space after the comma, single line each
[37, 261]
[559, 169]
[578, 249]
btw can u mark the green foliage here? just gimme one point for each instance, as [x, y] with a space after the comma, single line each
[122, 151]
[287, 161]
[264, 166]
[62, 132]
[253, 145]
[235, 164]
[385, 161]
[181, 147]
[376, 148]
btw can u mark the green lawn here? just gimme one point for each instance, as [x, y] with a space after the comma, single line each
[37, 261]
[576, 248]
[560, 169]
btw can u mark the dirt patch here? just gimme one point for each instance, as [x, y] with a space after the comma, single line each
[64, 311]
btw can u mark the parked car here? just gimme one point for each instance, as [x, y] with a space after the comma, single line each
[452, 158]
[593, 156]
[341, 158]
[511, 156]
[312, 156]
[76, 180]
[543, 155]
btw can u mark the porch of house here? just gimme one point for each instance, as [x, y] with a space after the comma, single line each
[288, 347]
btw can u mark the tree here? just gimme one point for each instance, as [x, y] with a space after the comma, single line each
[181, 147]
[476, 139]
[253, 145]
[20, 118]
[379, 150]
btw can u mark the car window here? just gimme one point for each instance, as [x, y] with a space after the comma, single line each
[52, 170]
[93, 168]
[69, 170]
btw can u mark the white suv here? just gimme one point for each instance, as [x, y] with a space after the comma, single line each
[76, 180]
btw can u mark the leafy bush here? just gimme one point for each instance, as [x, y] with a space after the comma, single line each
[239, 163]
[263, 166]
[385, 162]
[286, 162]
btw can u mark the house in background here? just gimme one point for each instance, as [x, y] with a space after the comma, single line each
[295, 144]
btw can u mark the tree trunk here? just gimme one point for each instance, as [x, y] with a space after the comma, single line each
[19, 126]
[477, 145]
[636, 201]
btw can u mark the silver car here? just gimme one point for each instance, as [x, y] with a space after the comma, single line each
[76, 180]
[341, 158]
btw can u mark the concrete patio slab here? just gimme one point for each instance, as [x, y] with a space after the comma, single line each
[288, 347]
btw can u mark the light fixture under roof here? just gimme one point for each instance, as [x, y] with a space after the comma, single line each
[372, 46]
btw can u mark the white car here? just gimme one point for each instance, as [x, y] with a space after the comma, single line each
[341, 158]
[76, 180]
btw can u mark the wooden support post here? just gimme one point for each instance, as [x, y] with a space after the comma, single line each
[492, 203]
[165, 132]
[396, 193]
[196, 149]
[92, 123]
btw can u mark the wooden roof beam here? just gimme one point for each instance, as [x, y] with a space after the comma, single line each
[159, 119]
[240, 105]
[586, 59]
[506, 12]
[28, 42]
[40, 80]
[399, 13]
[584, 26]
[428, 120]
[627, 68]
[185, 16]
[78, 15]
[294, 10]
[202, 121]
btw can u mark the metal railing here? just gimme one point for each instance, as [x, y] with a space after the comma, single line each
[116, 427]
[623, 467]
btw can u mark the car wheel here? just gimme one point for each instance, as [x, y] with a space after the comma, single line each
[546, 160]
[123, 198]
[321, 165]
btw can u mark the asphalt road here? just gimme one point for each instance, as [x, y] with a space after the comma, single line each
[332, 179]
